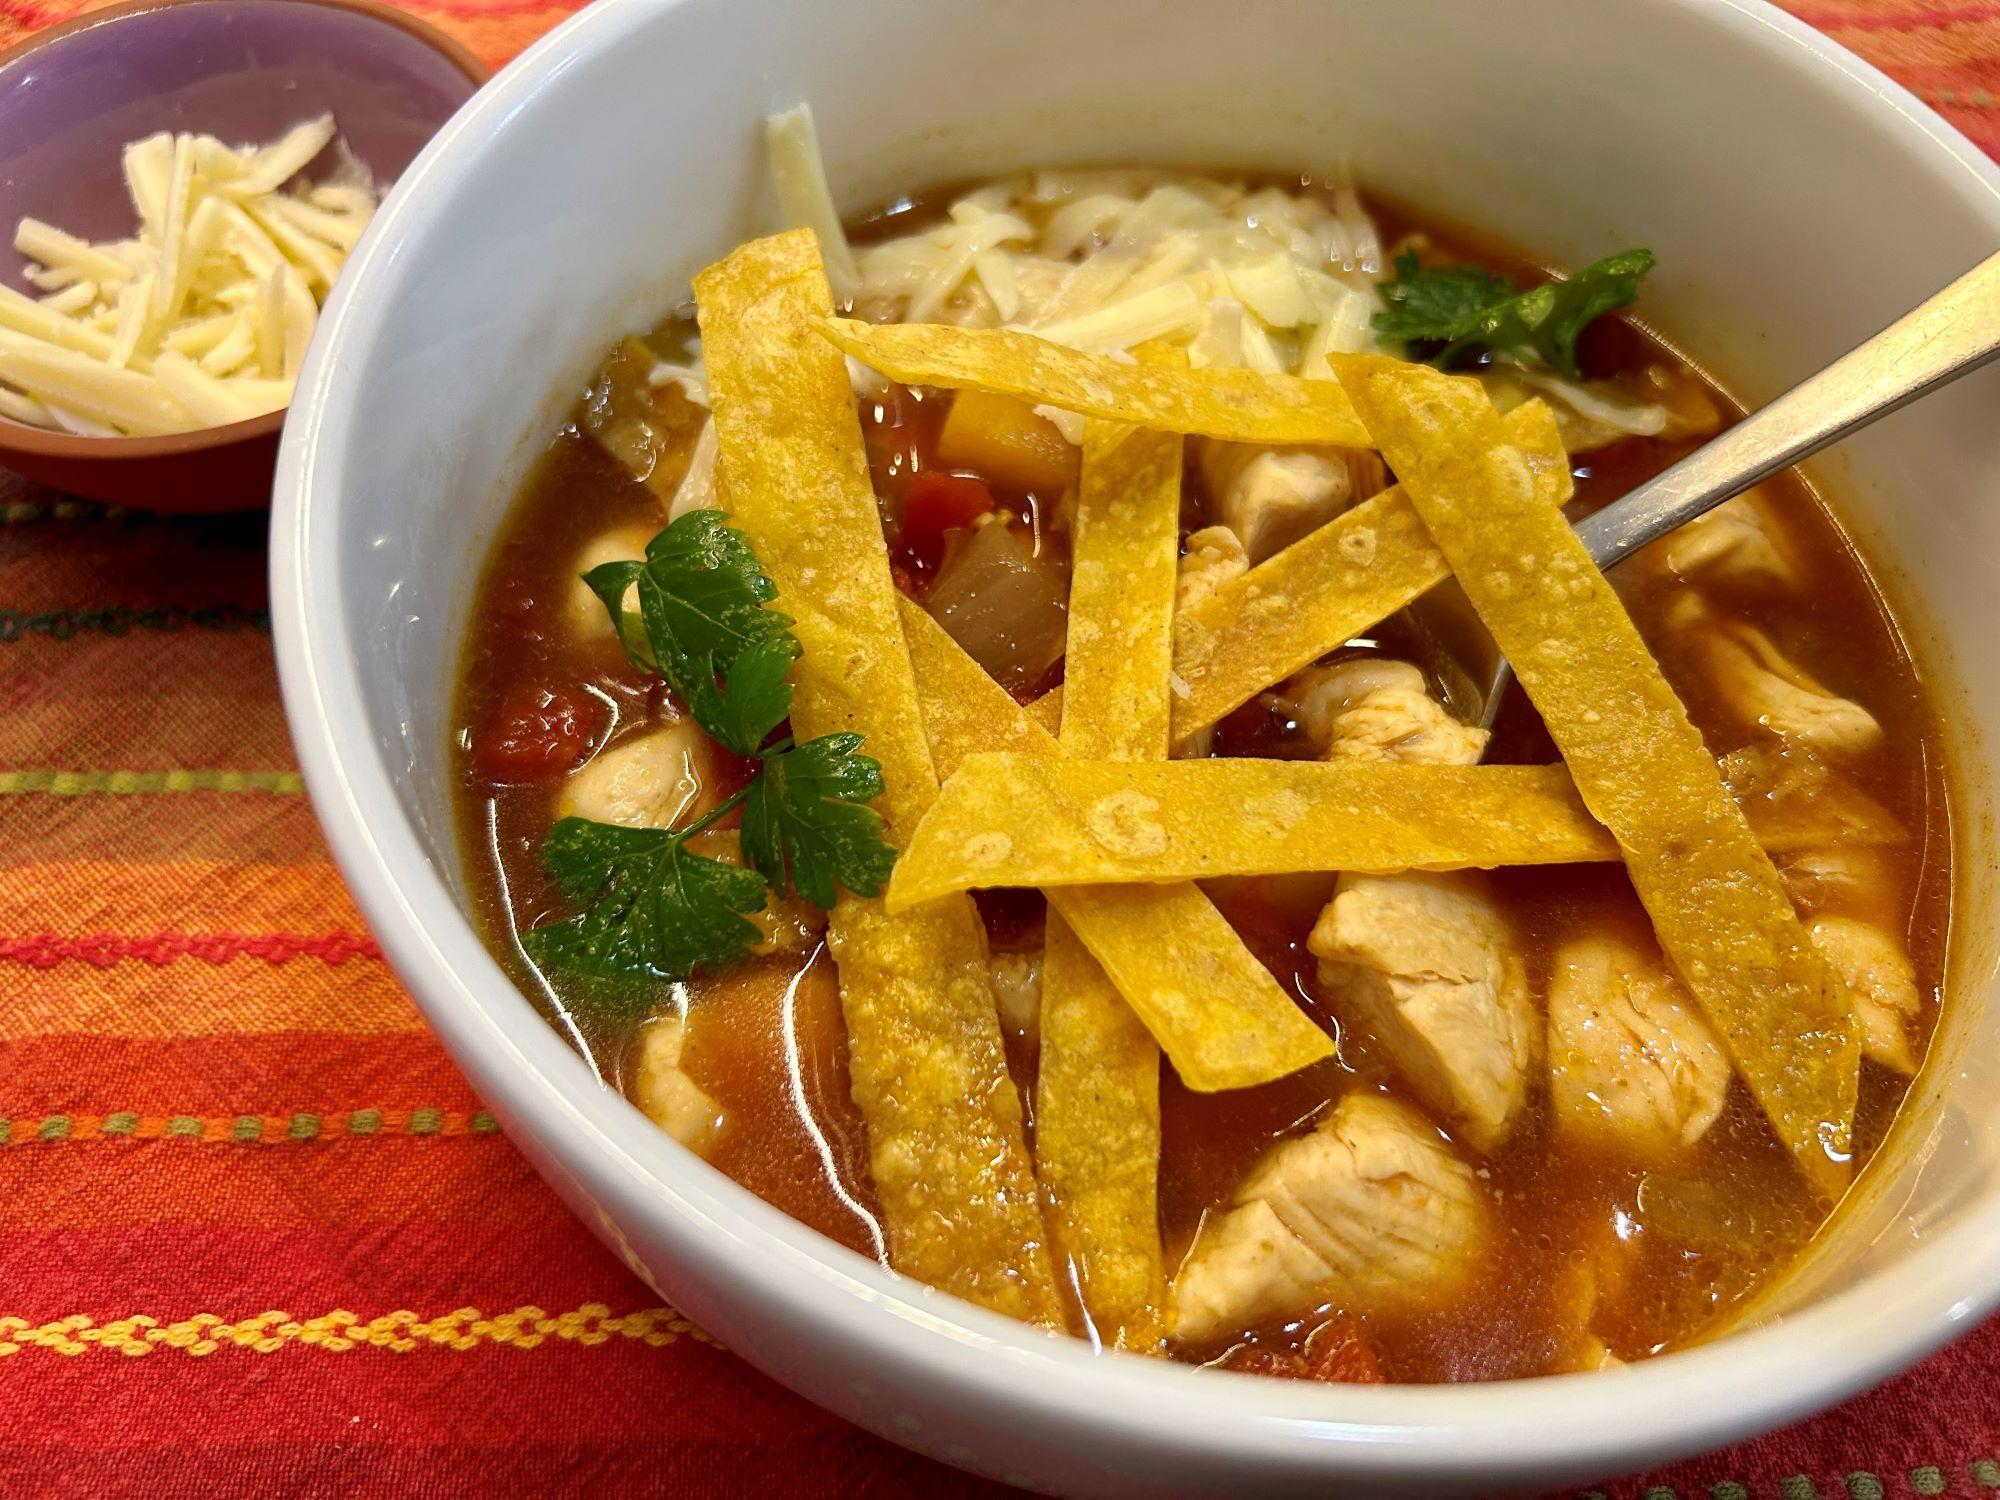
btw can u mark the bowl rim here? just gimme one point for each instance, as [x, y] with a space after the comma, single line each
[962, 1355]
[20, 437]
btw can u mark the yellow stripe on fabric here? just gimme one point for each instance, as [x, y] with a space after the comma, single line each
[146, 783]
[341, 1331]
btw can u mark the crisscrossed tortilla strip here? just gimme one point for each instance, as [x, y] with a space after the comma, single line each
[1018, 820]
[946, 1144]
[1335, 583]
[1218, 402]
[1097, 1105]
[1215, 1010]
[1718, 907]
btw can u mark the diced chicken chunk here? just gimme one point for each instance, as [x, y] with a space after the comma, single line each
[583, 611]
[1846, 876]
[1763, 687]
[1882, 981]
[1369, 1210]
[1793, 798]
[1735, 544]
[1214, 557]
[1632, 1063]
[1428, 964]
[1370, 708]
[1271, 496]
[1017, 985]
[653, 780]
[672, 1100]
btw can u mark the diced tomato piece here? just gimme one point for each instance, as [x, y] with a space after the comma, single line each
[537, 734]
[934, 504]
[1335, 1352]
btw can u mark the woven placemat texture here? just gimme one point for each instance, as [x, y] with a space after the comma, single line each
[257, 1236]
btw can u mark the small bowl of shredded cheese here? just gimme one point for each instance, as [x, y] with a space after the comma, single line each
[180, 186]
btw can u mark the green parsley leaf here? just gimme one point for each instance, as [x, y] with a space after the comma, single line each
[650, 907]
[1456, 311]
[704, 627]
[806, 820]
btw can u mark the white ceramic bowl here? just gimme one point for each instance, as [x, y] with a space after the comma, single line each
[1797, 201]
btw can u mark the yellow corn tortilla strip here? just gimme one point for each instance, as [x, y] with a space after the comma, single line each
[1217, 1013]
[1020, 820]
[1240, 405]
[1097, 1103]
[1718, 907]
[1097, 1142]
[947, 1149]
[1124, 552]
[1335, 583]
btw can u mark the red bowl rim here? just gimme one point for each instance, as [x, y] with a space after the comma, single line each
[19, 437]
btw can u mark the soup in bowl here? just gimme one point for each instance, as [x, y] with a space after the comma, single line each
[976, 722]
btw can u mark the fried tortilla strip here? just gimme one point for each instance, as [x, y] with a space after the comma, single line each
[1220, 402]
[1019, 820]
[946, 1144]
[1718, 907]
[1335, 583]
[1215, 1010]
[1097, 1103]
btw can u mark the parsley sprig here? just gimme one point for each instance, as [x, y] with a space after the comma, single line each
[1449, 313]
[651, 906]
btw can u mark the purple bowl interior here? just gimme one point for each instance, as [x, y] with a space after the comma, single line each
[244, 70]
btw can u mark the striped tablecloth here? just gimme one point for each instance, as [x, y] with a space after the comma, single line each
[257, 1237]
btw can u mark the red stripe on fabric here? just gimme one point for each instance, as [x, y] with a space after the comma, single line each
[656, 1466]
[45, 950]
[360, 1182]
[1898, 20]
[267, 1073]
[428, 1264]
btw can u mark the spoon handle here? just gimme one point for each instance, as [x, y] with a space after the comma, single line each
[1953, 333]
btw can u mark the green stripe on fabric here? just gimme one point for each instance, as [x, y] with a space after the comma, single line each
[117, 619]
[1985, 1473]
[1865, 1486]
[1927, 1480]
[145, 783]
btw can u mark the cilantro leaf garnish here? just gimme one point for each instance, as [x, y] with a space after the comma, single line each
[702, 624]
[807, 820]
[651, 908]
[1451, 312]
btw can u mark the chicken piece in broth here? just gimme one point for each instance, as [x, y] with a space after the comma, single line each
[1213, 558]
[1370, 1210]
[1882, 981]
[1271, 496]
[1760, 687]
[583, 612]
[1017, 986]
[1632, 1063]
[1430, 968]
[1737, 545]
[672, 1100]
[1373, 708]
[658, 779]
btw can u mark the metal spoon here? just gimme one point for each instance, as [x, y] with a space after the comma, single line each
[1952, 334]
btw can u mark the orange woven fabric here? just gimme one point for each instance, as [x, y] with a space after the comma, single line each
[257, 1236]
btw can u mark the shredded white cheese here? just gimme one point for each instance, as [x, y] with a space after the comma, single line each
[202, 316]
[799, 175]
